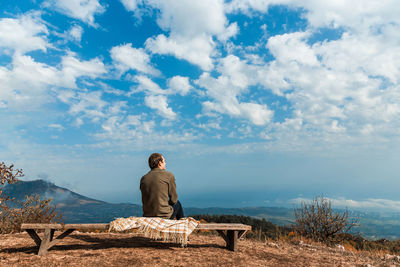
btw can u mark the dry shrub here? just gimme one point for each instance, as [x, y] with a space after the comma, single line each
[349, 246]
[7, 176]
[32, 210]
[317, 220]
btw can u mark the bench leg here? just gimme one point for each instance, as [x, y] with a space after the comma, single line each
[232, 238]
[44, 245]
[32, 233]
[48, 239]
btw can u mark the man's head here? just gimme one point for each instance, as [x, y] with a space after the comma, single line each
[156, 160]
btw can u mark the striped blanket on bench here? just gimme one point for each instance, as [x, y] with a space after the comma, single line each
[157, 228]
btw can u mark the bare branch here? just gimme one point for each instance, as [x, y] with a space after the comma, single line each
[318, 221]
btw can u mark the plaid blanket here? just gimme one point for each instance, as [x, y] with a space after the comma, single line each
[176, 231]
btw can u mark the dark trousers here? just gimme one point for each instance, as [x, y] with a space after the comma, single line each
[178, 211]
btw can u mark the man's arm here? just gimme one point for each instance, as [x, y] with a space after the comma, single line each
[173, 196]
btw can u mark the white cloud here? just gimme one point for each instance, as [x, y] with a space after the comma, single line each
[191, 26]
[196, 50]
[210, 126]
[224, 93]
[117, 129]
[131, 5]
[176, 85]
[156, 98]
[117, 107]
[27, 84]
[231, 31]
[145, 84]
[126, 57]
[24, 71]
[159, 103]
[84, 105]
[84, 10]
[358, 14]
[179, 85]
[72, 68]
[189, 18]
[136, 131]
[291, 47]
[56, 126]
[235, 79]
[341, 91]
[24, 33]
[75, 33]
[257, 113]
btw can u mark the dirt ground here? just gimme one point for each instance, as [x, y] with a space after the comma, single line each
[110, 249]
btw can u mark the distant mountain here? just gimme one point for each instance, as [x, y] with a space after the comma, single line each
[76, 208]
[61, 196]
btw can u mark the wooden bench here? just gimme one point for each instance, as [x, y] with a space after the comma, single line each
[230, 232]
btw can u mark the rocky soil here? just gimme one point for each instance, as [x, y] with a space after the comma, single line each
[110, 249]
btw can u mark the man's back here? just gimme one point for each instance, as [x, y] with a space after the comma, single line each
[158, 193]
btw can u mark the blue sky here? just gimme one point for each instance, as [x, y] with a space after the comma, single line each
[263, 102]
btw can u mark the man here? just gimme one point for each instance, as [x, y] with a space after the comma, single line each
[158, 189]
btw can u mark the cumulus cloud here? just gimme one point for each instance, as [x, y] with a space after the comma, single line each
[75, 33]
[56, 126]
[24, 33]
[231, 31]
[119, 128]
[126, 57]
[196, 50]
[72, 68]
[343, 89]
[13, 90]
[292, 47]
[223, 92]
[84, 10]
[179, 85]
[89, 104]
[159, 103]
[131, 5]
[138, 131]
[336, 86]
[156, 98]
[191, 26]
[235, 78]
[357, 14]
[41, 78]
[145, 84]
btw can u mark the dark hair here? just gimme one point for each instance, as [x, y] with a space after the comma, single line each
[154, 159]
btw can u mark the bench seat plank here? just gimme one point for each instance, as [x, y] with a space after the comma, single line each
[41, 226]
[104, 226]
[223, 226]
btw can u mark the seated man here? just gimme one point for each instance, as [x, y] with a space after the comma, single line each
[158, 189]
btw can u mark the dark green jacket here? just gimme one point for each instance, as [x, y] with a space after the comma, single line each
[158, 193]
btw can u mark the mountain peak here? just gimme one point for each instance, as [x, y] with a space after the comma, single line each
[61, 196]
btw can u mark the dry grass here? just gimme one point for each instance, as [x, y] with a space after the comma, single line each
[110, 249]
